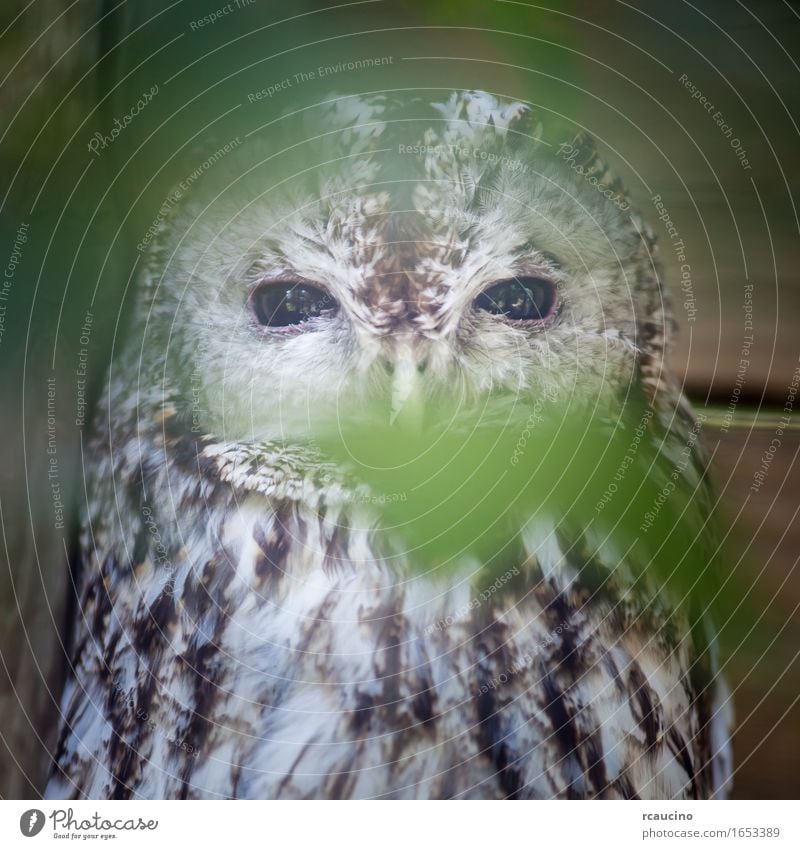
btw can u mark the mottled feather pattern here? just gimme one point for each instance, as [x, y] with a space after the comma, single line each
[241, 633]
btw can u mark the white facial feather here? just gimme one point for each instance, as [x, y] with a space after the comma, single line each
[402, 241]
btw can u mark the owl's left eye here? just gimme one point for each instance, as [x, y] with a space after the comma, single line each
[519, 298]
[286, 303]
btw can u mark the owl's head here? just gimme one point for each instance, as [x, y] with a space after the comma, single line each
[407, 257]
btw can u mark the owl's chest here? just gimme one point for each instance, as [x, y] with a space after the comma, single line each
[278, 636]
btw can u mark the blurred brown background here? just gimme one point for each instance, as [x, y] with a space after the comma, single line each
[640, 77]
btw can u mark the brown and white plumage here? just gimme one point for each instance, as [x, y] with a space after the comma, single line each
[243, 632]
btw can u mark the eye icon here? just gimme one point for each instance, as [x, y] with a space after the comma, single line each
[31, 822]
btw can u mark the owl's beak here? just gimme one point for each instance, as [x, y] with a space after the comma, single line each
[407, 395]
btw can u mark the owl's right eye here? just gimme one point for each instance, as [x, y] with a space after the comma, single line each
[284, 303]
[519, 299]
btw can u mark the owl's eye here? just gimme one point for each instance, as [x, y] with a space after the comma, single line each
[284, 303]
[519, 298]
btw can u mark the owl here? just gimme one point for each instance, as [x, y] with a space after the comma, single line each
[259, 613]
